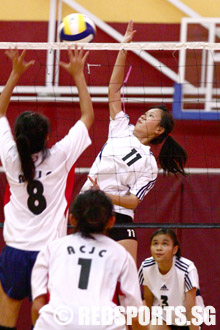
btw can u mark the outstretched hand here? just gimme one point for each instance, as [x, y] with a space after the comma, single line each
[129, 34]
[19, 65]
[76, 62]
[95, 185]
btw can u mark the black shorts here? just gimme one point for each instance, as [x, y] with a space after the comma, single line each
[118, 234]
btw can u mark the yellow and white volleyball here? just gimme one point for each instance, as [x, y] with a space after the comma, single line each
[78, 28]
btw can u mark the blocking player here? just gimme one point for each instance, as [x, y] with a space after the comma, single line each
[38, 178]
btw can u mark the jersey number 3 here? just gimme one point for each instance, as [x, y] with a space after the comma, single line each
[36, 201]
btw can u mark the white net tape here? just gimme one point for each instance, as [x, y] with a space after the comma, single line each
[113, 46]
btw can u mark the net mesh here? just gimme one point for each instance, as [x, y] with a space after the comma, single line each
[188, 204]
[154, 73]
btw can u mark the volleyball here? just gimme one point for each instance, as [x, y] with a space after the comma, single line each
[77, 28]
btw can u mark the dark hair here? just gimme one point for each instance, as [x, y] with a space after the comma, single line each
[172, 156]
[172, 234]
[31, 130]
[92, 210]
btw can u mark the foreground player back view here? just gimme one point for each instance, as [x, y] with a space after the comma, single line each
[83, 272]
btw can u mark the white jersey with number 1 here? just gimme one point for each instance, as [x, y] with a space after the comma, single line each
[37, 213]
[81, 275]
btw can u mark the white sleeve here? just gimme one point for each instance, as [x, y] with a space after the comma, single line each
[145, 181]
[143, 278]
[141, 275]
[118, 124]
[192, 278]
[6, 139]
[74, 143]
[39, 276]
[129, 284]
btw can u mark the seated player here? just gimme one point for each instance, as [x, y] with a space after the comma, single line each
[169, 279]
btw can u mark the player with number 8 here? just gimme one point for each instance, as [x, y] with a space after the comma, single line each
[39, 178]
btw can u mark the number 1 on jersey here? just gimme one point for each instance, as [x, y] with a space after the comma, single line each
[84, 273]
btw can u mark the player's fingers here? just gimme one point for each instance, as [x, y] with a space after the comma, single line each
[133, 33]
[76, 50]
[94, 182]
[30, 63]
[85, 56]
[10, 53]
[81, 52]
[63, 65]
[70, 54]
[129, 26]
[22, 55]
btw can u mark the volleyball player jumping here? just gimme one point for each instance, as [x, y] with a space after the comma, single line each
[38, 178]
[125, 168]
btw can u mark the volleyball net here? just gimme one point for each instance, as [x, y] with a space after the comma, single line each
[155, 73]
[175, 74]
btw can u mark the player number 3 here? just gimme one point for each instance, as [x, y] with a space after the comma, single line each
[36, 201]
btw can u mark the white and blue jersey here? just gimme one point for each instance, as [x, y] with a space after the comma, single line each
[170, 289]
[124, 165]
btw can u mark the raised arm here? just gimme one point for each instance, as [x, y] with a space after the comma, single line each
[75, 67]
[117, 77]
[19, 66]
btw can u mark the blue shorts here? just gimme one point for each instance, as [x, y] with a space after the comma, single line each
[15, 272]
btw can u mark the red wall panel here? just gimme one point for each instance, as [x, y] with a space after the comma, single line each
[193, 199]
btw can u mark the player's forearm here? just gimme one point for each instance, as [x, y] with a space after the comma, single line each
[137, 326]
[128, 202]
[117, 76]
[115, 84]
[7, 92]
[189, 317]
[38, 303]
[86, 107]
[190, 303]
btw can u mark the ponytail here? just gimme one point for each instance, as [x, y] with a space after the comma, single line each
[31, 130]
[92, 211]
[172, 156]
[27, 164]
